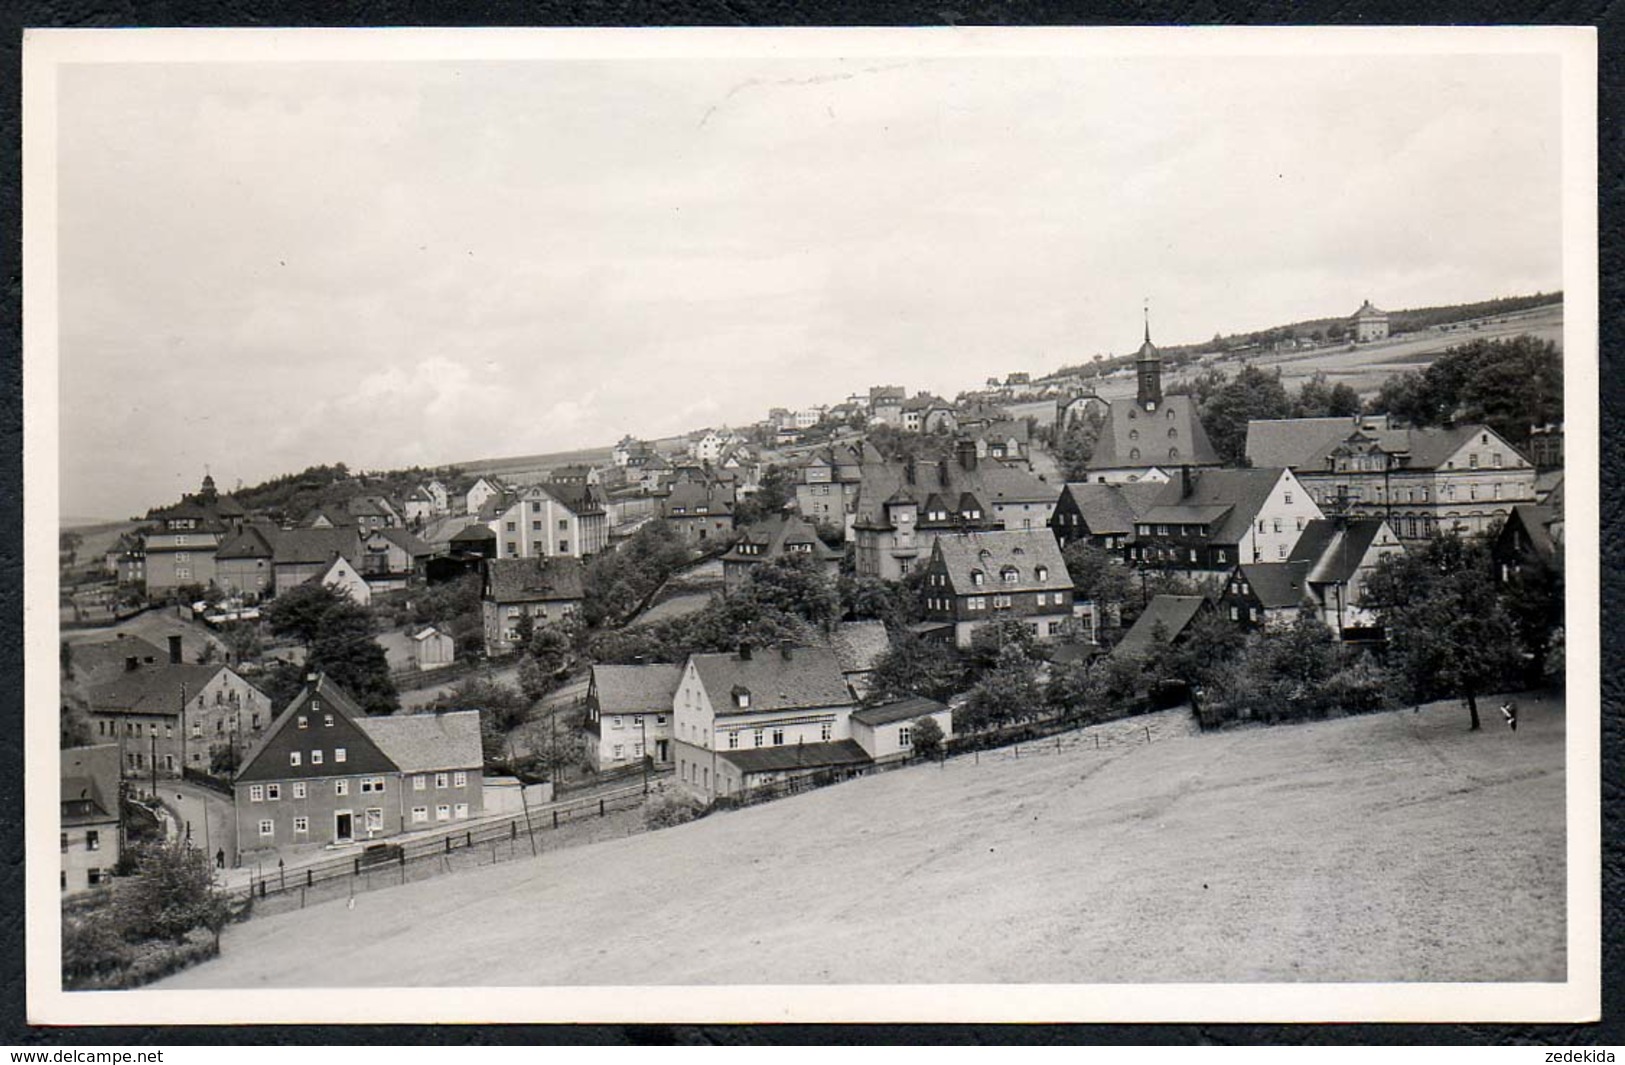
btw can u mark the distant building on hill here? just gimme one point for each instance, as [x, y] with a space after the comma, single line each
[1368, 323]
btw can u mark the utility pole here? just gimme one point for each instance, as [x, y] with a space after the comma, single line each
[183, 729]
[643, 733]
[154, 734]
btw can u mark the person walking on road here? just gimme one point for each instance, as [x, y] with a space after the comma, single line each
[1509, 711]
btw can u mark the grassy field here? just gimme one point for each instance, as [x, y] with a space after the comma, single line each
[1397, 847]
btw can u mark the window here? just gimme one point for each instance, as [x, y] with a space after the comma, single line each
[338, 754]
[372, 785]
[564, 525]
[93, 840]
[1472, 461]
[341, 787]
[420, 815]
[442, 812]
[976, 577]
[511, 526]
[536, 526]
[1280, 550]
[1041, 573]
[315, 757]
[256, 793]
[1495, 459]
[328, 721]
[733, 740]
[1134, 453]
[304, 722]
[460, 811]
[293, 757]
[273, 792]
[299, 789]
[1289, 499]
[564, 547]
[459, 779]
[1235, 614]
[267, 828]
[758, 737]
[620, 750]
[617, 721]
[778, 737]
[441, 780]
[1001, 602]
[65, 843]
[905, 736]
[301, 825]
[1277, 524]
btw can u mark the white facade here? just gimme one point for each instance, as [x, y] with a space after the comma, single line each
[539, 526]
[478, 493]
[346, 579]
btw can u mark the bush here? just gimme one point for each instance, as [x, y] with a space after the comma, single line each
[671, 809]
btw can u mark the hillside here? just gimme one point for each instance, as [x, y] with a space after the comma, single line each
[1393, 847]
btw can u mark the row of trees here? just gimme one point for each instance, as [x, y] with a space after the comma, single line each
[1509, 385]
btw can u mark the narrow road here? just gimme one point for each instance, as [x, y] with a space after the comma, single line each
[206, 814]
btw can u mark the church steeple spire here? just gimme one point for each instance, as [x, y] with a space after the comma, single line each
[1148, 368]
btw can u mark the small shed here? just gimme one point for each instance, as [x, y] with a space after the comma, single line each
[433, 649]
[886, 732]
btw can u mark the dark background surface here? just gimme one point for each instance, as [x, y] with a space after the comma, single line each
[1609, 19]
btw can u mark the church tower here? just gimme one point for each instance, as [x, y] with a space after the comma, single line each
[1148, 369]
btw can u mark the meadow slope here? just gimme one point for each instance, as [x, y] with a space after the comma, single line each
[1399, 846]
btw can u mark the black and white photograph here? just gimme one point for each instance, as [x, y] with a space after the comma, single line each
[895, 525]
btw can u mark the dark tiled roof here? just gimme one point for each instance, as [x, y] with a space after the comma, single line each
[1536, 522]
[992, 552]
[303, 546]
[1189, 445]
[268, 759]
[636, 689]
[1332, 553]
[858, 644]
[1242, 491]
[776, 535]
[1276, 585]
[255, 541]
[154, 690]
[1176, 612]
[407, 542]
[690, 496]
[109, 656]
[90, 778]
[807, 677]
[797, 756]
[1368, 311]
[1294, 442]
[901, 710]
[583, 499]
[1110, 509]
[533, 580]
[426, 742]
[990, 482]
[473, 533]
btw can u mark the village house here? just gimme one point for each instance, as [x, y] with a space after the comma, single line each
[902, 507]
[372, 512]
[86, 665]
[940, 417]
[1166, 618]
[1465, 479]
[298, 555]
[1006, 441]
[1154, 433]
[174, 714]
[326, 774]
[132, 561]
[346, 580]
[180, 549]
[419, 506]
[90, 816]
[245, 563]
[776, 537]
[330, 517]
[1102, 514]
[886, 732]
[699, 513]
[1208, 521]
[391, 559]
[629, 710]
[546, 590]
[976, 578]
[552, 521]
[858, 647]
[760, 716]
[886, 405]
[482, 491]
[1368, 324]
[1265, 595]
[828, 479]
[1531, 538]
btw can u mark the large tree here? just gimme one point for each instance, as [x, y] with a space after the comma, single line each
[1449, 632]
[1510, 384]
[337, 636]
[502, 707]
[1075, 444]
[1319, 398]
[1251, 395]
[912, 666]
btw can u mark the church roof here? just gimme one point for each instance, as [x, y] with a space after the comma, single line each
[1170, 435]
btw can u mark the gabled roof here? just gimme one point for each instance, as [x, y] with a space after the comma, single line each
[1536, 522]
[1129, 428]
[267, 759]
[89, 779]
[1175, 612]
[334, 516]
[473, 532]
[155, 690]
[1333, 554]
[776, 679]
[304, 546]
[366, 507]
[109, 656]
[908, 709]
[1110, 509]
[533, 580]
[797, 756]
[690, 496]
[776, 535]
[990, 483]
[1295, 442]
[583, 499]
[1277, 585]
[1227, 500]
[404, 540]
[993, 552]
[636, 689]
[858, 645]
[254, 541]
[1368, 311]
[426, 742]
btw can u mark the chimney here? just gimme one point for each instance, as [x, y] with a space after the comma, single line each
[744, 652]
[1187, 483]
[908, 470]
[131, 664]
[965, 451]
[174, 650]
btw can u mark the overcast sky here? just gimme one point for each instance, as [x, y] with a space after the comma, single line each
[266, 266]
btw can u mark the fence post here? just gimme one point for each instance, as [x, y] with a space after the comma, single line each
[310, 878]
[448, 844]
[262, 889]
[301, 898]
[468, 838]
[358, 865]
[555, 819]
[513, 830]
[1148, 734]
[600, 807]
[1057, 743]
[1018, 751]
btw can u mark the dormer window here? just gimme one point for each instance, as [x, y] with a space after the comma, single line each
[742, 697]
[976, 578]
[1009, 575]
[1041, 573]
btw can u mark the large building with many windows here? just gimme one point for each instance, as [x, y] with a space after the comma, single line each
[326, 773]
[90, 816]
[975, 578]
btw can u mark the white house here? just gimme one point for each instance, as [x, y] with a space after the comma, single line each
[343, 577]
[886, 732]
